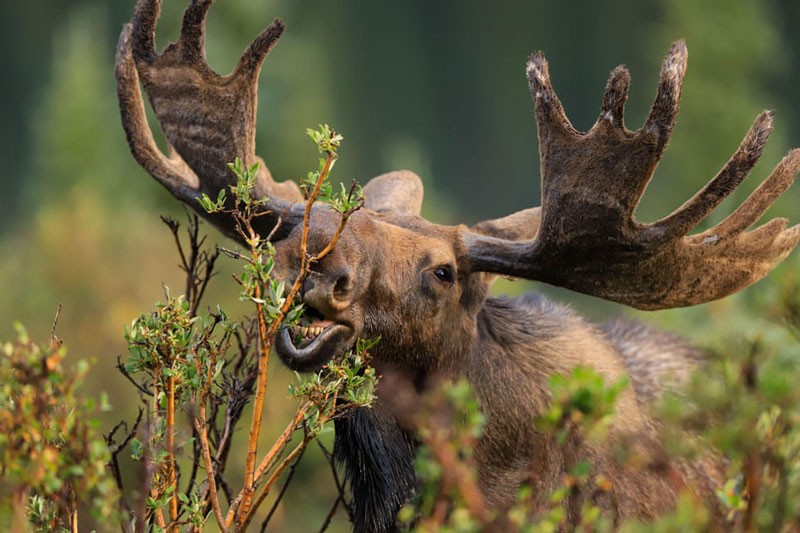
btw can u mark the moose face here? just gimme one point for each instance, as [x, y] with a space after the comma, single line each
[401, 280]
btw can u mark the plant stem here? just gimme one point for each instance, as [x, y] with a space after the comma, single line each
[258, 403]
[172, 475]
[266, 335]
[73, 512]
[154, 490]
[200, 426]
[282, 440]
[293, 455]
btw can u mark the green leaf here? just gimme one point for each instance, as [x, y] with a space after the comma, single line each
[137, 449]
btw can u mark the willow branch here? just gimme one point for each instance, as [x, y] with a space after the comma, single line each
[290, 459]
[266, 335]
[200, 426]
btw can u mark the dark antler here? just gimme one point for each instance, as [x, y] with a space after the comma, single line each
[209, 120]
[588, 239]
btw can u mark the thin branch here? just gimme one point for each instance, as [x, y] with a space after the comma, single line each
[154, 491]
[455, 473]
[212, 485]
[282, 441]
[141, 388]
[115, 450]
[340, 486]
[109, 437]
[234, 254]
[55, 342]
[331, 512]
[342, 222]
[174, 227]
[196, 458]
[172, 475]
[285, 486]
[226, 488]
[293, 456]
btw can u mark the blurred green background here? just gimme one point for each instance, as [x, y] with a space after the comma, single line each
[437, 87]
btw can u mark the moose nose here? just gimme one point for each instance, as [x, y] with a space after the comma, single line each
[328, 292]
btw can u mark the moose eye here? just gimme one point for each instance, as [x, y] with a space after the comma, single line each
[444, 274]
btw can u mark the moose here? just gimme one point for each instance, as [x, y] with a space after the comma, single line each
[423, 288]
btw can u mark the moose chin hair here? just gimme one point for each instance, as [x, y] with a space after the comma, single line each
[311, 356]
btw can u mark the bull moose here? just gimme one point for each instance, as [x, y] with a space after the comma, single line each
[423, 288]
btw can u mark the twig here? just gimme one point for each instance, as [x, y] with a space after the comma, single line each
[196, 458]
[226, 488]
[150, 467]
[174, 227]
[55, 342]
[293, 456]
[72, 513]
[110, 435]
[201, 427]
[122, 370]
[331, 512]
[285, 486]
[172, 476]
[212, 485]
[455, 473]
[113, 464]
[340, 487]
[282, 441]
[234, 254]
[342, 222]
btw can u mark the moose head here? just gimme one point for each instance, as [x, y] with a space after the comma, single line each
[422, 287]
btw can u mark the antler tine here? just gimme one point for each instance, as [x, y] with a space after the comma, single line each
[193, 30]
[762, 239]
[173, 174]
[613, 110]
[732, 174]
[665, 108]
[759, 200]
[144, 29]
[787, 241]
[253, 57]
[550, 115]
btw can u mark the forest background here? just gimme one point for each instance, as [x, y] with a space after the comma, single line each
[434, 87]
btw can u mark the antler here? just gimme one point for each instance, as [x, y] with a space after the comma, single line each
[588, 239]
[209, 120]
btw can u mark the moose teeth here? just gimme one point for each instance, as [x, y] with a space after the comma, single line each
[309, 331]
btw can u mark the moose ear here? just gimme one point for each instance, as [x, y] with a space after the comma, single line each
[520, 226]
[398, 193]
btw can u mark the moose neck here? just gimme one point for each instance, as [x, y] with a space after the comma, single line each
[511, 355]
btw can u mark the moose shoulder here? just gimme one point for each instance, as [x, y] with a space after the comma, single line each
[423, 287]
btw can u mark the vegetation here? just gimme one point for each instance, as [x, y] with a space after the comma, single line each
[52, 455]
[208, 367]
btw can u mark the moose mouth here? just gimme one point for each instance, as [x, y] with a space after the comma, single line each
[312, 343]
